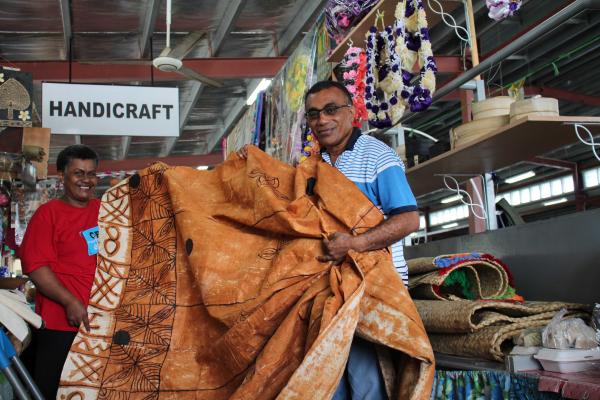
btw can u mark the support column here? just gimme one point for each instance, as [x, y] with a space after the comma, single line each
[466, 101]
[475, 189]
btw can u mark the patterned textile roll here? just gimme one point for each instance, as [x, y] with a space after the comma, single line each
[208, 287]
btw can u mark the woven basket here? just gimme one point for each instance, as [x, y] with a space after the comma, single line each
[465, 316]
[492, 107]
[536, 106]
[468, 132]
[492, 342]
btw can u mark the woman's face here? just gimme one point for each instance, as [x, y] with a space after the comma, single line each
[79, 179]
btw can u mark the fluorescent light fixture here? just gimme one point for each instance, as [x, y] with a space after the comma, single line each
[520, 177]
[262, 86]
[202, 167]
[448, 226]
[553, 202]
[451, 199]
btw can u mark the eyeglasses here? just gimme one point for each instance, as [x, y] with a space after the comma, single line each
[80, 174]
[329, 110]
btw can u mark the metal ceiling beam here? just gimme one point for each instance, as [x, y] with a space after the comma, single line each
[65, 14]
[140, 163]
[234, 8]
[201, 127]
[232, 117]
[571, 37]
[308, 12]
[125, 143]
[554, 163]
[530, 15]
[218, 68]
[518, 44]
[148, 25]
[442, 34]
[564, 95]
[587, 57]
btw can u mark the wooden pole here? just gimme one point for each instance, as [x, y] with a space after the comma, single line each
[473, 35]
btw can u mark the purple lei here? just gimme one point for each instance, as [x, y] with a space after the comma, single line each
[375, 45]
[416, 96]
[420, 99]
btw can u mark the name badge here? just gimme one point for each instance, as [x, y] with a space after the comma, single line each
[91, 237]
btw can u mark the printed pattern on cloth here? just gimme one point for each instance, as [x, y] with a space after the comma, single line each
[123, 353]
[208, 287]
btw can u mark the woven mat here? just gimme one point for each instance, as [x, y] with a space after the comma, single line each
[488, 280]
[491, 343]
[465, 316]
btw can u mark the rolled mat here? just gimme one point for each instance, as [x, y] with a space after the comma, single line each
[464, 316]
[468, 276]
[484, 280]
[492, 342]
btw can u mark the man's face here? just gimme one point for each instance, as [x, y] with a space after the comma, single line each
[80, 180]
[333, 126]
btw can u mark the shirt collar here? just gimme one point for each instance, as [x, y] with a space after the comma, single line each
[354, 136]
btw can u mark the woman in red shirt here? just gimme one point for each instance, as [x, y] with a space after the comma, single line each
[59, 254]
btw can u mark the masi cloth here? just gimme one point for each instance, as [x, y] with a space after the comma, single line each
[208, 287]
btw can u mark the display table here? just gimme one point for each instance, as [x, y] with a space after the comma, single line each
[570, 386]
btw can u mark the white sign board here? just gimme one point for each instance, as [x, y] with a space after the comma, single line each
[110, 110]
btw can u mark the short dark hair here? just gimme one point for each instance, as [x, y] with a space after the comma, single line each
[76, 151]
[322, 85]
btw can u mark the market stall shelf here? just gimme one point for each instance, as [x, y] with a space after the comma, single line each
[357, 34]
[518, 141]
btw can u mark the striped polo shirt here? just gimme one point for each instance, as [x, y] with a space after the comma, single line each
[379, 173]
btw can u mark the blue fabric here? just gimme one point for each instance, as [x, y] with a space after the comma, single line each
[379, 173]
[443, 262]
[7, 350]
[362, 379]
[493, 385]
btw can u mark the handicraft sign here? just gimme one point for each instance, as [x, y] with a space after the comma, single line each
[79, 109]
[16, 88]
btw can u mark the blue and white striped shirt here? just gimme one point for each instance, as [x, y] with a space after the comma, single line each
[379, 173]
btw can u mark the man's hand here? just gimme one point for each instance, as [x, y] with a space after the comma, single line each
[336, 246]
[243, 152]
[76, 314]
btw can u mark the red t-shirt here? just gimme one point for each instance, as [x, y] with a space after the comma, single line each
[54, 238]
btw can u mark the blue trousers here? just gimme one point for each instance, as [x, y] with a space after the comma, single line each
[362, 379]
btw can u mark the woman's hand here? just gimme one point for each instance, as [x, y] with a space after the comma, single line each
[77, 314]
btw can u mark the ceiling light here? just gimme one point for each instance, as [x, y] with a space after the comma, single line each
[553, 202]
[451, 199]
[262, 86]
[448, 226]
[520, 177]
[202, 167]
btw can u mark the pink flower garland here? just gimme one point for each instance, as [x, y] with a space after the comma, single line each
[354, 64]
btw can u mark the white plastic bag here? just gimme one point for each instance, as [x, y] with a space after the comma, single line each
[568, 333]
